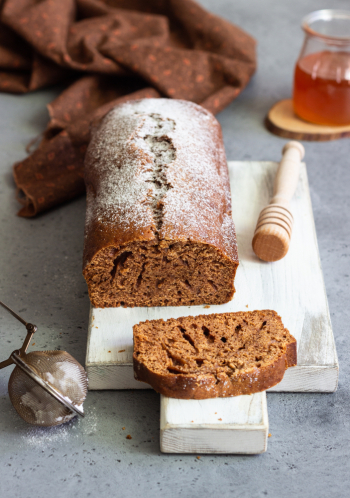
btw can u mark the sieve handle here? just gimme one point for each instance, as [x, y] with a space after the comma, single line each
[31, 329]
[6, 363]
[13, 313]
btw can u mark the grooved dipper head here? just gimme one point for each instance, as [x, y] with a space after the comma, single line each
[273, 232]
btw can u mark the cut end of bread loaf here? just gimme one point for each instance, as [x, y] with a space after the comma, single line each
[216, 355]
[165, 273]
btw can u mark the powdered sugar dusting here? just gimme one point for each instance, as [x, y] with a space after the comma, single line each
[41, 405]
[44, 437]
[119, 155]
[159, 165]
[64, 380]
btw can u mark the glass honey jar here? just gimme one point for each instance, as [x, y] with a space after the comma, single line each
[322, 73]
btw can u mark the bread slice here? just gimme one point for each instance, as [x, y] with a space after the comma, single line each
[215, 355]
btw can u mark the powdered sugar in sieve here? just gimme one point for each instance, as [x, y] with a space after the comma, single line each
[46, 388]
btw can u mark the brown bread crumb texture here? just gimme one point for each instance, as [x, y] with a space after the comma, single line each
[215, 355]
[166, 274]
[159, 229]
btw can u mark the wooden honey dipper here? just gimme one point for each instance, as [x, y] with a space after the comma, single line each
[274, 227]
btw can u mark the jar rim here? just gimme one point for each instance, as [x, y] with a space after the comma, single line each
[326, 15]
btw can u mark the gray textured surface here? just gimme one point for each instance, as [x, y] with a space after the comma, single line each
[40, 276]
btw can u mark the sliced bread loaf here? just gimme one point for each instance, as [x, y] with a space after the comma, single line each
[215, 355]
[159, 229]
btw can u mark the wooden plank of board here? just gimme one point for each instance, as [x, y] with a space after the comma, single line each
[294, 287]
[221, 425]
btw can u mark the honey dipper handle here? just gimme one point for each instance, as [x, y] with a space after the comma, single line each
[287, 174]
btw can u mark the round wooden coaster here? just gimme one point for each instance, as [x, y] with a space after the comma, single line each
[282, 121]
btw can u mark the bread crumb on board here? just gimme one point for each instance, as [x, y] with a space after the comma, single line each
[270, 434]
[123, 428]
[198, 457]
[128, 436]
[246, 305]
[206, 306]
[121, 350]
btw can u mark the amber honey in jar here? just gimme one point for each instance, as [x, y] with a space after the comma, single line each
[322, 74]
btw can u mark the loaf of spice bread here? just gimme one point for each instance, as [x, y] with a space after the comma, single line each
[159, 230]
[215, 355]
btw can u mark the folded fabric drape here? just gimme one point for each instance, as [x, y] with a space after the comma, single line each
[106, 52]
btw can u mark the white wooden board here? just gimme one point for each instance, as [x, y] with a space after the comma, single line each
[221, 425]
[294, 287]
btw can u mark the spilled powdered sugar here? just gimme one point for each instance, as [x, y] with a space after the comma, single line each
[74, 430]
[159, 165]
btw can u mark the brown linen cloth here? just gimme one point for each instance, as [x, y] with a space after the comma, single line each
[130, 49]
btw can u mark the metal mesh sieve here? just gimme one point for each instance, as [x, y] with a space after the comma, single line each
[61, 371]
[46, 388]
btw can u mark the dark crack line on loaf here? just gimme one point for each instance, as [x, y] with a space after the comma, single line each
[164, 153]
